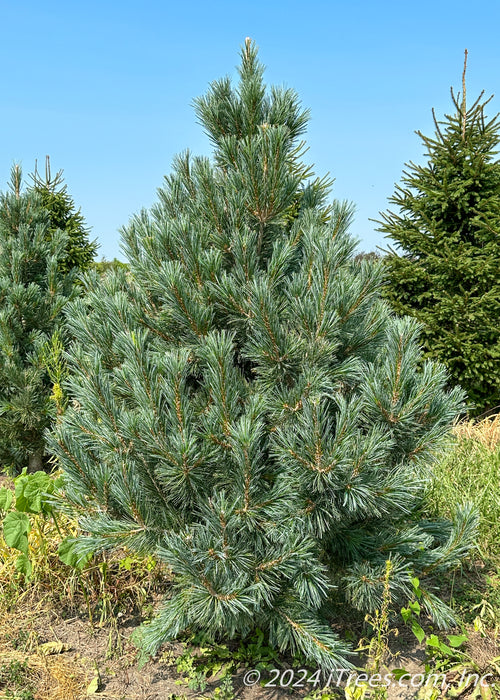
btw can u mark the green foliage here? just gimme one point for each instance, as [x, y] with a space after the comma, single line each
[68, 554]
[55, 365]
[14, 678]
[33, 490]
[32, 498]
[411, 614]
[225, 691]
[243, 404]
[5, 498]
[16, 527]
[104, 266]
[201, 659]
[470, 470]
[449, 661]
[377, 646]
[33, 293]
[53, 194]
[443, 657]
[445, 270]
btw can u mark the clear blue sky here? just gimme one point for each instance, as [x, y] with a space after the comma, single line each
[105, 88]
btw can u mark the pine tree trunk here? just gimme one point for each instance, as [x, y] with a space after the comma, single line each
[35, 461]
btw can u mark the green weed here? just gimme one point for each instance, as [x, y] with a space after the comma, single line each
[447, 656]
[376, 646]
[13, 677]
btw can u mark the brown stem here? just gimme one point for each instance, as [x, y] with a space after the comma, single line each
[464, 105]
[35, 461]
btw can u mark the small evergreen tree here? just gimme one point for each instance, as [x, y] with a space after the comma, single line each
[33, 292]
[104, 266]
[80, 251]
[245, 405]
[445, 271]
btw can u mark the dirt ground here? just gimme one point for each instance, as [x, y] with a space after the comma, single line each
[71, 659]
[62, 656]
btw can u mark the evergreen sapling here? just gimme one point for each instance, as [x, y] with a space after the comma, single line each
[33, 293]
[246, 406]
[445, 270]
[54, 195]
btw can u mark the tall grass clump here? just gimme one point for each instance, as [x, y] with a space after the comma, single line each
[471, 471]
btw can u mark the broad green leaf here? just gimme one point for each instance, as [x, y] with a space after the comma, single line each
[445, 649]
[59, 482]
[68, 555]
[417, 631]
[5, 498]
[433, 641]
[456, 640]
[15, 531]
[415, 607]
[399, 673]
[93, 686]
[405, 614]
[23, 565]
[416, 586]
[31, 490]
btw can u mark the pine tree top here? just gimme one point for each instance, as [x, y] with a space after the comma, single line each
[33, 292]
[53, 191]
[453, 198]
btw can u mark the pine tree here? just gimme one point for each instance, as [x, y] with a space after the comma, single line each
[245, 406]
[445, 271]
[80, 251]
[33, 293]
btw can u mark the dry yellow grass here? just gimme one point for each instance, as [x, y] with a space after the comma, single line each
[48, 572]
[59, 676]
[107, 585]
[486, 431]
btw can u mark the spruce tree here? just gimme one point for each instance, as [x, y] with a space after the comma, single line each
[244, 404]
[33, 292]
[54, 195]
[445, 270]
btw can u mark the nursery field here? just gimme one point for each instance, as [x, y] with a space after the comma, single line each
[69, 633]
[232, 466]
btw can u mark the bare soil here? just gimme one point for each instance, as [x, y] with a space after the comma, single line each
[101, 661]
[104, 659]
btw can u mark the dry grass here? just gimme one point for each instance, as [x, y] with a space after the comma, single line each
[49, 574]
[26, 668]
[486, 431]
[57, 677]
[107, 583]
[108, 588]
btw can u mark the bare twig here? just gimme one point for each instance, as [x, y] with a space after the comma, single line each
[464, 104]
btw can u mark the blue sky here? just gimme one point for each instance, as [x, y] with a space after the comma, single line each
[106, 88]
